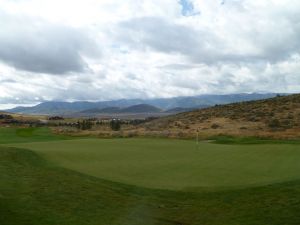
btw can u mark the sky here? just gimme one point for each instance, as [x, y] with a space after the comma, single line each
[69, 50]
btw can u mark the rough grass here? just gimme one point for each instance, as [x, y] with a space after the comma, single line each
[174, 164]
[32, 192]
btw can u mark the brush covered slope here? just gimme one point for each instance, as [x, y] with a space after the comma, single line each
[277, 117]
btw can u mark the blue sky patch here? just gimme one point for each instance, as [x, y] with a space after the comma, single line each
[188, 8]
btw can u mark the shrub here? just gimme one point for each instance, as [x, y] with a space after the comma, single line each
[274, 123]
[5, 116]
[84, 125]
[215, 126]
[55, 118]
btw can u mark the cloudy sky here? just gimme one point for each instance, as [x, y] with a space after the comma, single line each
[111, 49]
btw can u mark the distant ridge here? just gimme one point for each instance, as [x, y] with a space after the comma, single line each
[140, 108]
[104, 110]
[65, 108]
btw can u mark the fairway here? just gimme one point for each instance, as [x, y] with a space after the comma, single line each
[50, 180]
[174, 164]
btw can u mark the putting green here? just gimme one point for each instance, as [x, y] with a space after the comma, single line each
[174, 164]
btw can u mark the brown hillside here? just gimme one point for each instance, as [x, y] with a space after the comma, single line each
[276, 117]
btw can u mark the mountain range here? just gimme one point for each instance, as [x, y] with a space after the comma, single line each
[170, 105]
[140, 108]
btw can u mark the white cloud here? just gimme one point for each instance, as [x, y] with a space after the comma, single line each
[148, 48]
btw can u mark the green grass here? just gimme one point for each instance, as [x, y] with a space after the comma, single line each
[174, 164]
[32, 134]
[145, 181]
[250, 140]
[32, 192]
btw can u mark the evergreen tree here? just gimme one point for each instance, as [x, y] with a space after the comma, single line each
[115, 124]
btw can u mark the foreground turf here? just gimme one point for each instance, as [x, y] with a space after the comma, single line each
[174, 164]
[32, 192]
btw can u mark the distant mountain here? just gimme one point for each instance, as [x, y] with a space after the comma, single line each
[65, 108]
[210, 100]
[107, 110]
[49, 108]
[141, 108]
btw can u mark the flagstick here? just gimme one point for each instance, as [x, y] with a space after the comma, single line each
[197, 138]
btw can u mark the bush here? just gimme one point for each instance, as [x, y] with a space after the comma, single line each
[215, 126]
[84, 125]
[275, 123]
[5, 116]
[55, 118]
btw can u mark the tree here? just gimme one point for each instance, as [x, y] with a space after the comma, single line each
[115, 124]
[84, 125]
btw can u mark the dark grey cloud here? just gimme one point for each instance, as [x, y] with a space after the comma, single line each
[38, 46]
[164, 36]
[158, 34]
[276, 34]
[155, 33]
[7, 81]
[205, 46]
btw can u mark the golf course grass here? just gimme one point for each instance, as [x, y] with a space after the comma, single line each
[174, 164]
[145, 181]
[32, 134]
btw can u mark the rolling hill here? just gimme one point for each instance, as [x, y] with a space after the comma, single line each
[276, 117]
[181, 109]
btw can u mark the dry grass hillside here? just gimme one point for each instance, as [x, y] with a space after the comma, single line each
[277, 117]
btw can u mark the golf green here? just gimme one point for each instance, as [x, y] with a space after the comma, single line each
[174, 164]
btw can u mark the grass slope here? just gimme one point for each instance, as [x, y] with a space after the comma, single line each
[32, 192]
[174, 164]
[33, 134]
